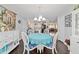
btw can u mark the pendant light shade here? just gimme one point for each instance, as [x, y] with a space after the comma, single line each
[35, 19]
[44, 19]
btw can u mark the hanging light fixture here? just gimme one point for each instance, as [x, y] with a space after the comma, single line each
[40, 18]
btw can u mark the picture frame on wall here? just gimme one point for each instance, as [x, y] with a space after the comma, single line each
[8, 18]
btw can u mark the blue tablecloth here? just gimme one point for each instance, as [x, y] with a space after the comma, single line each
[40, 39]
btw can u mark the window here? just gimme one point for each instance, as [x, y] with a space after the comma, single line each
[68, 20]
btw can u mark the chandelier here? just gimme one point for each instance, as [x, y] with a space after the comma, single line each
[40, 18]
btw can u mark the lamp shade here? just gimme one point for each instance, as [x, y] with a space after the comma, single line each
[35, 18]
[40, 17]
[44, 19]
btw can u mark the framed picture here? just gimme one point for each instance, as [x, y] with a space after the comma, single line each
[9, 19]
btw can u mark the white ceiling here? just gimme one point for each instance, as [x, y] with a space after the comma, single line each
[50, 11]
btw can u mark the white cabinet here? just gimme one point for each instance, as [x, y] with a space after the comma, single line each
[74, 42]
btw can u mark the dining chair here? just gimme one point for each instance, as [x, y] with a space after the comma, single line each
[40, 48]
[53, 47]
[30, 31]
[54, 42]
[25, 41]
[46, 31]
[37, 30]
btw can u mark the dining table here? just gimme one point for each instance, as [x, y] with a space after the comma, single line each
[36, 39]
